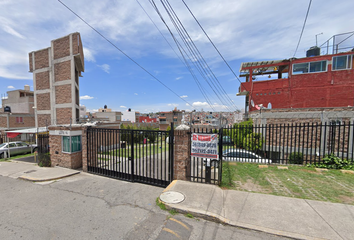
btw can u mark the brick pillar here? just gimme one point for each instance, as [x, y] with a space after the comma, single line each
[84, 149]
[182, 155]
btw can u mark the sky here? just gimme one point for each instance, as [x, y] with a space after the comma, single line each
[155, 78]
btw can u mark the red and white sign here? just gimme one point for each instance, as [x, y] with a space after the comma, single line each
[205, 145]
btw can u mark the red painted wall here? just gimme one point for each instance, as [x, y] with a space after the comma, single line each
[147, 119]
[309, 90]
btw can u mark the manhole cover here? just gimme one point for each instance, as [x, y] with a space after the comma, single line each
[172, 197]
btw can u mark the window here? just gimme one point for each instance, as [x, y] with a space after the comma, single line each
[71, 144]
[342, 62]
[19, 119]
[310, 67]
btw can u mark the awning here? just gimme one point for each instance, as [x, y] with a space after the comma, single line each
[15, 133]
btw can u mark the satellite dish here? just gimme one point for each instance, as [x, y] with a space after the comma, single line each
[269, 106]
[252, 103]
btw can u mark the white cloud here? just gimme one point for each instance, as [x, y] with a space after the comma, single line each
[123, 107]
[86, 97]
[184, 96]
[88, 55]
[10, 87]
[104, 67]
[178, 78]
[13, 32]
[206, 106]
[172, 104]
[136, 94]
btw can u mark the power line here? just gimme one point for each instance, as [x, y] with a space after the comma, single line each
[197, 58]
[123, 52]
[185, 62]
[303, 27]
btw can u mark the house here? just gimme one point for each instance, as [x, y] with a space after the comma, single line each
[130, 116]
[107, 115]
[19, 101]
[322, 79]
[166, 118]
[56, 71]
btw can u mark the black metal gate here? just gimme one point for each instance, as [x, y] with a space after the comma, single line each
[43, 150]
[144, 156]
[206, 170]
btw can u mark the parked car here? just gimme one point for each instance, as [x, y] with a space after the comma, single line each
[236, 155]
[242, 155]
[16, 148]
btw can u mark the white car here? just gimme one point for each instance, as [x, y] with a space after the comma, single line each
[16, 148]
[241, 155]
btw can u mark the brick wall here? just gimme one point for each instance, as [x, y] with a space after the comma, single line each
[42, 80]
[28, 121]
[64, 115]
[62, 71]
[3, 121]
[61, 47]
[44, 120]
[63, 94]
[182, 155]
[41, 59]
[43, 101]
[30, 62]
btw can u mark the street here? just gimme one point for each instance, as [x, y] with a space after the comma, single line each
[86, 206]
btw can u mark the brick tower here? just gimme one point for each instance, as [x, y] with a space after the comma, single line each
[56, 71]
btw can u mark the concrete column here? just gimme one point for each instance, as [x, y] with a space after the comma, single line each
[182, 155]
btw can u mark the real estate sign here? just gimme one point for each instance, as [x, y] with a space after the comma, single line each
[205, 145]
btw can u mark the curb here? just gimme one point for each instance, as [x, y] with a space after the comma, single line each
[220, 219]
[46, 179]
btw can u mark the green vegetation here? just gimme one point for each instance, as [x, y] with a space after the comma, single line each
[160, 204]
[297, 181]
[173, 212]
[138, 137]
[139, 151]
[188, 215]
[296, 158]
[16, 157]
[331, 161]
[253, 141]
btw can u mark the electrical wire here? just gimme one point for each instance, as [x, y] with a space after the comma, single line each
[202, 90]
[123, 52]
[196, 58]
[303, 27]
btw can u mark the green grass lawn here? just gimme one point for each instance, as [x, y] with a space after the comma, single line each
[297, 181]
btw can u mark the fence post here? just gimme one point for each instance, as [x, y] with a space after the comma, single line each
[171, 155]
[220, 154]
[132, 155]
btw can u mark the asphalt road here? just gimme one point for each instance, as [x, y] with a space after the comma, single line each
[86, 206]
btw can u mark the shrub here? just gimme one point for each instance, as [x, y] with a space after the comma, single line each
[240, 131]
[296, 158]
[331, 161]
[253, 142]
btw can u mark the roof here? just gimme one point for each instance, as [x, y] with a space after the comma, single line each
[263, 67]
[29, 130]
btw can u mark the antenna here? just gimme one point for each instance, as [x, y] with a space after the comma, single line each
[316, 37]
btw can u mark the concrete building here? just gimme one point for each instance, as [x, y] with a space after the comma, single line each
[56, 71]
[20, 101]
[322, 79]
[107, 115]
[131, 116]
[83, 111]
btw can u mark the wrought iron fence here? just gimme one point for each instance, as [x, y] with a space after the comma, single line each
[43, 149]
[295, 143]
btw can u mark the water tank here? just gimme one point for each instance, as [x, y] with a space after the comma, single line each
[313, 51]
[7, 109]
[105, 106]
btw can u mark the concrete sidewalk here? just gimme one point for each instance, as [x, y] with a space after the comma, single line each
[32, 172]
[290, 217]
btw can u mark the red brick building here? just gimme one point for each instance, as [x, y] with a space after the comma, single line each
[315, 81]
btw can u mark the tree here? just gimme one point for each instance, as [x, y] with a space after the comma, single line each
[240, 131]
